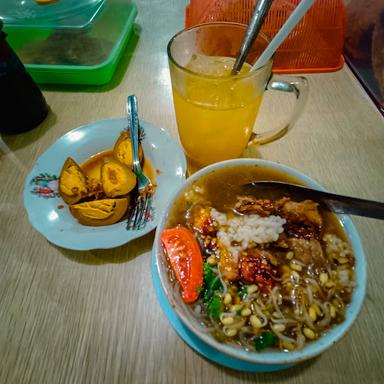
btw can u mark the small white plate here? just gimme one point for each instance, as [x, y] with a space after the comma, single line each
[50, 215]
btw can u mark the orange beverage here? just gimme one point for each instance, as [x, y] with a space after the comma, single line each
[215, 118]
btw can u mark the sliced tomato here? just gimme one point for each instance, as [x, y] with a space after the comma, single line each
[186, 260]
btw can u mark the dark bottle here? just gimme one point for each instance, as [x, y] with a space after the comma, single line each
[22, 105]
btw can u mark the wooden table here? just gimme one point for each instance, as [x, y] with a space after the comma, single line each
[93, 317]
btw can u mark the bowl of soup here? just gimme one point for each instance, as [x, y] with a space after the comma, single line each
[265, 278]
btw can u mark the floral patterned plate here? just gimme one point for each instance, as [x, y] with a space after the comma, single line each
[50, 215]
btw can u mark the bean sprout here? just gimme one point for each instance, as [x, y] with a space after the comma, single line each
[310, 294]
[260, 314]
[284, 338]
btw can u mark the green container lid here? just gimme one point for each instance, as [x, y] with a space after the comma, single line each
[62, 13]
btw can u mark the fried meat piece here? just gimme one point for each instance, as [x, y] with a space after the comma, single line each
[254, 268]
[227, 264]
[307, 251]
[251, 205]
[199, 219]
[303, 218]
[282, 242]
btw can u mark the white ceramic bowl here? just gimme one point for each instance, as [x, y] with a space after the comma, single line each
[276, 357]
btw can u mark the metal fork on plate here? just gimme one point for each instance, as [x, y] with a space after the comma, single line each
[141, 212]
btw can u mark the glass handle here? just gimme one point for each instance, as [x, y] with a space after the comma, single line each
[297, 85]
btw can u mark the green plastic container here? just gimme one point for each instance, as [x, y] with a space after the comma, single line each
[86, 53]
[66, 13]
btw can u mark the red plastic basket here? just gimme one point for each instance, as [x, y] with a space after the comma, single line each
[314, 45]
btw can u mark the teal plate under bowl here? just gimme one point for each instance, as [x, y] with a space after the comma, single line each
[198, 345]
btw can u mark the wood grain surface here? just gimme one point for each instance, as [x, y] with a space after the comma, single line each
[93, 317]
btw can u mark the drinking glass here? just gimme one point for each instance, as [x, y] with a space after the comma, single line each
[215, 109]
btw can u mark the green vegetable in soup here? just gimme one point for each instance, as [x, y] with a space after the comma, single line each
[243, 291]
[211, 283]
[215, 307]
[210, 293]
[265, 340]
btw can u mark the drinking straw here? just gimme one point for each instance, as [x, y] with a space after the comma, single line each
[291, 22]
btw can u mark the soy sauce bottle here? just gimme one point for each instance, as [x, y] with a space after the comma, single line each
[22, 105]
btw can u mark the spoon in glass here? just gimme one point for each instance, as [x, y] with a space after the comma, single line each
[258, 16]
[336, 203]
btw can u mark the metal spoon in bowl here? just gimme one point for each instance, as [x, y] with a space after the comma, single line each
[337, 203]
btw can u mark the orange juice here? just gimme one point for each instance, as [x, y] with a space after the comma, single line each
[215, 111]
